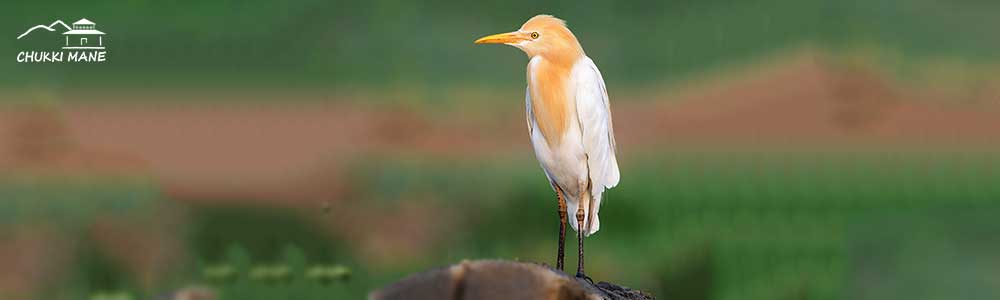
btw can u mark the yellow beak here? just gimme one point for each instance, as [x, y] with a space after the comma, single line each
[504, 38]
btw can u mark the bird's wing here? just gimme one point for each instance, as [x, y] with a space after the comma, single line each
[594, 114]
[529, 115]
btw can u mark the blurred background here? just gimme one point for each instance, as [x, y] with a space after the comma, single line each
[310, 149]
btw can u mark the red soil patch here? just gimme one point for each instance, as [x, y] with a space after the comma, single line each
[268, 151]
[809, 101]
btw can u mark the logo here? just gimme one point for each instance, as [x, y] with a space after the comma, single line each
[81, 43]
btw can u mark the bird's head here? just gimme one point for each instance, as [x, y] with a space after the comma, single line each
[542, 35]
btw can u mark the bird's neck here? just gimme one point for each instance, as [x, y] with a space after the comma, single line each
[550, 95]
[564, 53]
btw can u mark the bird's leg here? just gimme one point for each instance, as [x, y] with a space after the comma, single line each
[562, 229]
[579, 237]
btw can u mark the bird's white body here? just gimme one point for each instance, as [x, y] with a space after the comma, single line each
[582, 161]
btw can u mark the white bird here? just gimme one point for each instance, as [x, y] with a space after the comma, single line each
[569, 122]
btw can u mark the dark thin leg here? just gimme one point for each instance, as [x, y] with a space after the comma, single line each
[562, 230]
[579, 237]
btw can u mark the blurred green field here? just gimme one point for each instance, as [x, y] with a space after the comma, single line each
[709, 225]
[428, 45]
[912, 222]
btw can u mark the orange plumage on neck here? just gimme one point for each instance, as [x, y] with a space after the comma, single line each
[559, 50]
[550, 100]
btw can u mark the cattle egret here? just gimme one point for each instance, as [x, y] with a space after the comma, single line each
[569, 122]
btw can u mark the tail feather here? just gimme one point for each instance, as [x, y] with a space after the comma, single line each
[591, 221]
[594, 222]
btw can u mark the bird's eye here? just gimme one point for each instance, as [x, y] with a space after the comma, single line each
[534, 35]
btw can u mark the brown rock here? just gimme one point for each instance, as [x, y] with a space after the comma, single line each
[496, 279]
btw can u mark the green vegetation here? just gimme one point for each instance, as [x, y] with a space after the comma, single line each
[65, 210]
[339, 44]
[693, 225]
[72, 202]
[690, 225]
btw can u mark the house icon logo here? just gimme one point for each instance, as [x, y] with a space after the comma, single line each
[84, 35]
[80, 43]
